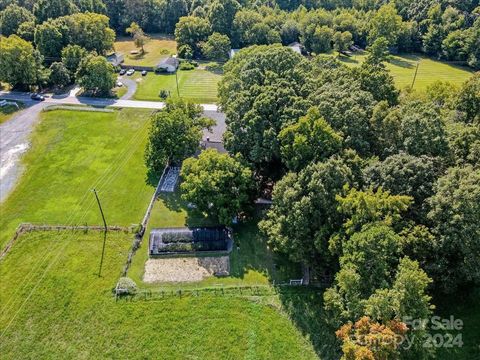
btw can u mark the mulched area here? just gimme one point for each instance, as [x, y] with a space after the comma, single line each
[188, 269]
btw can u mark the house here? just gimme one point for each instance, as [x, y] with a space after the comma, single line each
[115, 59]
[233, 52]
[169, 64]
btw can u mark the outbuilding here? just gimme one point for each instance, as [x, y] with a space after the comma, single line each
[169, 64]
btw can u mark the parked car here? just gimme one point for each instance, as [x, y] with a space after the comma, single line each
[122, 72]
[144, 73]
[119, 84]
[37, 97]
[130, 72]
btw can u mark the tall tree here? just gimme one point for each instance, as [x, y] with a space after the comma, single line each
[218, 184]
[455, 213]
[468, 102]
[304, 212]
[263, 90]
[72, 55]
[175, 134]
[312, 139]
[52, 9]
[95, 74]
[385, 23]
[139, 37]
[192, 31]
[12, 17]
[217, 47]
[20, 64]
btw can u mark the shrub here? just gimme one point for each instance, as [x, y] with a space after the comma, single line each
[126, 286]
[186, 66]
[214, 67]
[163, 94]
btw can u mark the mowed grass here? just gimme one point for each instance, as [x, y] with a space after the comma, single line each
[156, 49]
[251, 262]
[199, 86]
[402, 68]
[73, 152]
[54, 305]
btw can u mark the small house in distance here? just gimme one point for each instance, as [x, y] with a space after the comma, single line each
[169, 65]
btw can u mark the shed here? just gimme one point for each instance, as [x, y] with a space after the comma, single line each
[169, 64]
[115, 59]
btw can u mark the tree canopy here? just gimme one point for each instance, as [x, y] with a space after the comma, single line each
[217, 184]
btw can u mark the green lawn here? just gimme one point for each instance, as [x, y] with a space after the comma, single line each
[72, 152]
[54, 305]
[402, 68]
[156, 49]
[197, 85]
[251, 262]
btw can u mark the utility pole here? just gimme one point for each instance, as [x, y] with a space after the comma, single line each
[176, 79]
[415, 76]
[101, 210]
[104, 233]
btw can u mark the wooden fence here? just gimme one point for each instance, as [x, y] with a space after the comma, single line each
[138, 237]
[25, 227]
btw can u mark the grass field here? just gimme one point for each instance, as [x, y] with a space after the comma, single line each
[52, 302]
[72, 314]
[156, 49]
[72, 152]
[403, 69]
[251, 262]
[197, 85]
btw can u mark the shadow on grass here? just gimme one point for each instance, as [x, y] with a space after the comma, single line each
[349, 60]
[403, 63]
[304, 306]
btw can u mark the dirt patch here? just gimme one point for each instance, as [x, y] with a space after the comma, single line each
[189, 269]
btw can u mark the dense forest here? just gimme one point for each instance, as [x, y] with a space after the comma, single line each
[446, 29]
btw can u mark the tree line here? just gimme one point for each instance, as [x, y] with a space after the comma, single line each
[446, 29]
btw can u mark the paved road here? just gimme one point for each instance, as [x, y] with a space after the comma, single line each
[73, 100]
[15, 133]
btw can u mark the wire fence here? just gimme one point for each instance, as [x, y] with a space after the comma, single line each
[214, 291]
[223, 291]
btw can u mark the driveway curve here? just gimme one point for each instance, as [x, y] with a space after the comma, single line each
[131, 87]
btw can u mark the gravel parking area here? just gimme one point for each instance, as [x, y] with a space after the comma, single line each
[188, 269]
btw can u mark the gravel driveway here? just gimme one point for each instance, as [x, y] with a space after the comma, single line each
[14, 141]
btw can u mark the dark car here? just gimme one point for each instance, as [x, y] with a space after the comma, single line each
[122, 72]
[37, 97]
[144, 73]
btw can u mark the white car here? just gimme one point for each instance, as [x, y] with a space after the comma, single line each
[130, 72]
[119, 84]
